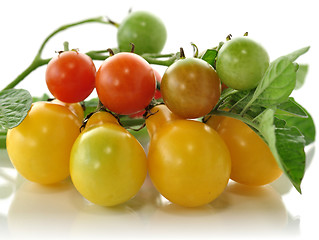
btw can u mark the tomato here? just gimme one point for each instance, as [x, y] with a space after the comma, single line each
[146, 31]
[70, 76]
[188, 163]
[157, 95]
[241, 63]
[107, 164]
[76, 108]
[190, 88]
[252, 161]
[158, 78]
[125, 83]
[39, 148]
[158, 117]
[99, 118]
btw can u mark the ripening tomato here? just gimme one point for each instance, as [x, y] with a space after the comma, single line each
[252, 161]
[70, 76]
[190, 88]
[107, 164]
[39, 148]
[188, 163]
[125, 83]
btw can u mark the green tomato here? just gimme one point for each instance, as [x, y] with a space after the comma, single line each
[107, 164]
[146, 31]
[241, 63]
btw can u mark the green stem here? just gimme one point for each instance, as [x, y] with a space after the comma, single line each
[150, 58]
[66, 46]
[64, 27]
[132, 122]
[3, 134]
[38, 61]
[223, 97]
[167, 62]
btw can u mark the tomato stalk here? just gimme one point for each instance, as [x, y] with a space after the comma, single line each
[38, 61]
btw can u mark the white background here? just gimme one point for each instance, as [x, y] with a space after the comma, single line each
[31, 211]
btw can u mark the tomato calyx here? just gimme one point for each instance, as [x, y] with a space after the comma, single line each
[148, 109]
[181, 53]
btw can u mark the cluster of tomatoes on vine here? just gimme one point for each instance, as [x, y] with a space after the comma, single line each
[189, 162]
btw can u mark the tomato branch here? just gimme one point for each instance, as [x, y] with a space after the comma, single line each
[38, 61]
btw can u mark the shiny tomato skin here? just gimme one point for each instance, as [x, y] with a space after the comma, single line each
[76, 108]
[100, 118]
[190, 88]
[157, 95]
[252, 161]
[145, 30]
[241, 63]
[70, 76]
[39, 148]
[188, 163]
[107, 165]
[125, 83]
[157, 117]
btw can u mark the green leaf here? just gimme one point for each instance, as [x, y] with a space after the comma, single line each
[287, 145]
[305, 125]
[44, 97]
[301, 75]
[14, 106]
[294, 55]
[291, 108]
[210, 56]
[277, 83]
[90, 106]
[290, 145]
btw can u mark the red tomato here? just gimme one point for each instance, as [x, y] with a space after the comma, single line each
[158, 77]
[70, 76]
[125, 83]
[157, 95]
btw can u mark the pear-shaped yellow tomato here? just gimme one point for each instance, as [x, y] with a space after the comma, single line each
[252, 161]
[76, 108]
[107, 165]
[99, 118]
[39, 148]
[189, 163]
[158, 117]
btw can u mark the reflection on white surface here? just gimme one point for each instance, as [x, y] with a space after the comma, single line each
[32, 211]
[59, 212]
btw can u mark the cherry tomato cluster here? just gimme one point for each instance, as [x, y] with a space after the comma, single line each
[189, 162]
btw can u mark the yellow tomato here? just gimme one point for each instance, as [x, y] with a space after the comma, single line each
[99, 118]
[76, 108]
[108, 165]
[252, 161]
[189, 163]
[39, 148]
[159, 116]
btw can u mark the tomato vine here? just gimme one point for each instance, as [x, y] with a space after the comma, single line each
[273, 114]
